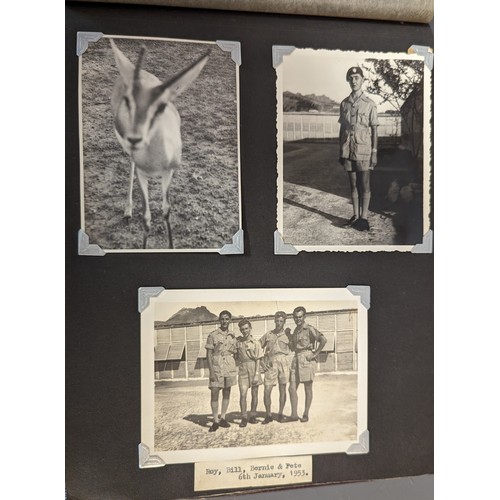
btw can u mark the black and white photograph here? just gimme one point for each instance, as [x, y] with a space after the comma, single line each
[353, 154]
[242, 373]
[159, 140]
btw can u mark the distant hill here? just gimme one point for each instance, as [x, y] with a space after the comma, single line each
[310, 102]
[188, 315]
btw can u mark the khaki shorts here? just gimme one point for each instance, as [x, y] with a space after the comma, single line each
[279, 371]
[222, 381]
[246, 374]
[357, 166]
[302, 369]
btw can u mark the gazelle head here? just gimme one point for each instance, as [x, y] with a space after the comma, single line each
[140, 99]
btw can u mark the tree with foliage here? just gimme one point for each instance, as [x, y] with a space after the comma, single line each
[399, 82]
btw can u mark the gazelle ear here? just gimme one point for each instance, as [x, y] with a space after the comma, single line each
[125, 67]
[179, 83]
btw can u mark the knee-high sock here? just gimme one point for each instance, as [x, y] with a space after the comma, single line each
[355, 204]
[365, 202]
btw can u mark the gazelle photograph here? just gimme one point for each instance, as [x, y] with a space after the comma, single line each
[159, 141]
[245, 373]
[354, 139]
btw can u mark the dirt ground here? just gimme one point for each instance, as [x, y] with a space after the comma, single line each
[183, 416]
[204, 191]
[317, 201]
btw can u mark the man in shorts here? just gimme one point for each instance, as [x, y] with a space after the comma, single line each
[248, 355]
[307, 343]
[277, 361]
[221, 348]
[358, 140]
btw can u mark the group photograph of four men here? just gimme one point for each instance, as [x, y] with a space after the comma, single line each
[280, 357]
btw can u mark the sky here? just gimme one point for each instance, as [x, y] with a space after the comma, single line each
[323, 72]
[164, 310]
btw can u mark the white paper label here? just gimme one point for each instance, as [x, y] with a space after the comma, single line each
[252, 472]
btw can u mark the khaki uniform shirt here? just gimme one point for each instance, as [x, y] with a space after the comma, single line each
[248, 350]
[275, 343]
[223, 345]
[304, 338]
[357, 117]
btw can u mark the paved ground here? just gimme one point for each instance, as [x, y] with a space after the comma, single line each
[183, 417]
[317, 200]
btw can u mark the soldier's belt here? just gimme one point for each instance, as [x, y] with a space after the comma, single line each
[353, 128]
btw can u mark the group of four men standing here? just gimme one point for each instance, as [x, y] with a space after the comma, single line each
[283, 357]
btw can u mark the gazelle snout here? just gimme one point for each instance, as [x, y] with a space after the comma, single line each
[134, 140]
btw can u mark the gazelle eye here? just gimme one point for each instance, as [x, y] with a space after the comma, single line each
[159, 110]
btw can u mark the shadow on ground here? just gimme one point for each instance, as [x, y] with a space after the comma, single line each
[233, 418]
[396, 185]
[336, 221]
[206, 420]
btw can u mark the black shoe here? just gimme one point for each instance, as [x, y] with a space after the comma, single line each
[292, 419]
[253, 420]
[223, 423]
[267, 419]
[351, 221]
[243, 422]
[281, 419]
[305, 418]
[214, 427]
[361, 225]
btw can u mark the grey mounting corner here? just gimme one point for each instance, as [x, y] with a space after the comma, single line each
[146, 460]
[237, 246]
[145, 293]
[83, 38]
[426, 52]
[233, 47]
[282, 248]
[279, 51]
[426, 245]
[362, 446]
[85, 248]
[363, 292]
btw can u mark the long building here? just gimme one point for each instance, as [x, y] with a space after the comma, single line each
[180, 350]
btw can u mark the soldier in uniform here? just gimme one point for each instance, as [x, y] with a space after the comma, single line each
[248, 355]
[358, 140]
[221, 349]
[307, 342]
[277, 362]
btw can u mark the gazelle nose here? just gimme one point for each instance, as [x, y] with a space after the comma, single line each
[134, 139]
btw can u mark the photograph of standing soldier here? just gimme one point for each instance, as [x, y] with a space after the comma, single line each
[307, 343]
[277, 362]
[221, 349]
[358, 140]
[248, 355]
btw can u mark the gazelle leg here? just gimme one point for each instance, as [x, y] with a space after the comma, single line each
[165, 184]
[146, 213]
[128, 204]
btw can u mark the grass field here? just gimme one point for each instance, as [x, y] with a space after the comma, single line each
[183, 416]
[204, 191]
